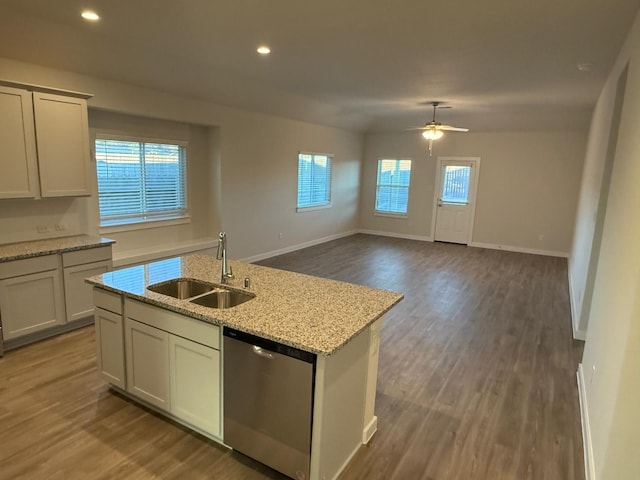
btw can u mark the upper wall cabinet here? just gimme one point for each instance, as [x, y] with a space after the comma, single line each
[18, 152]
[45, 138]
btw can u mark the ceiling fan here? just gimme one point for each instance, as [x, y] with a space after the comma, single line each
[435, 130]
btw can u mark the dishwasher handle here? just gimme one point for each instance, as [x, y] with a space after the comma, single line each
[262, 352]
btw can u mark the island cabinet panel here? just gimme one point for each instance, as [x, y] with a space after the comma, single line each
[195, 384]
[110, 346]
[339, 404]
[18, 152]
[147, 359]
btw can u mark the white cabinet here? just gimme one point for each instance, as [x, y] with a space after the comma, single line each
[110, 347]
[110, 337]
[62, 138]
[147, 359]
[46, 295]
[58, 126]
[195, 388]
[77, 266]
[173, 363]
[18, 152]
[31, 297]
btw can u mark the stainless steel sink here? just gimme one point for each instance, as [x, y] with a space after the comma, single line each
[222, 299]
[181, 288]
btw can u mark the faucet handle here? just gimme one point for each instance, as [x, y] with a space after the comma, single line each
[230, 272]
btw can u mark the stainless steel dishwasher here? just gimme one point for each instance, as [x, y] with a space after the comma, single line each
[268, 402]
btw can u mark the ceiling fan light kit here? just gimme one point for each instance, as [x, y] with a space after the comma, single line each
[435, 130]
[432, 134]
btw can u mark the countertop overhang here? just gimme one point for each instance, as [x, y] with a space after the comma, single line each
[314, 314]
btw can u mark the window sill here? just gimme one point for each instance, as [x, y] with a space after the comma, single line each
[316, 207]
[145, 224]
[390, 215]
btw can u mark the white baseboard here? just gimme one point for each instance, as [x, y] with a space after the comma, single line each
[396, 235]
[150, 254]
[589, 467]
[510, 248]
[369, 430]
[299, 246]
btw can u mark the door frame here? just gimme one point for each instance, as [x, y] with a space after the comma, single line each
[473, 192]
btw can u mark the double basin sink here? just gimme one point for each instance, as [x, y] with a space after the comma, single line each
[201, 293]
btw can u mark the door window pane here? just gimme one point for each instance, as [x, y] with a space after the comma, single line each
[455, 184]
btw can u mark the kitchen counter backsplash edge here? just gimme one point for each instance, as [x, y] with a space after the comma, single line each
[37, 248]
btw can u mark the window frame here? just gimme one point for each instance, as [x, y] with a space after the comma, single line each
[390, 213]
[327, 203]
[145, 220]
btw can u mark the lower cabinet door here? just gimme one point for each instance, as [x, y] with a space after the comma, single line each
[110, 347]
[147, 358]
[30, 303]
[195, 384]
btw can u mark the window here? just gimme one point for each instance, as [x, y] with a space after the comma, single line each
[392, 188]
[314, 180]
[140, 181]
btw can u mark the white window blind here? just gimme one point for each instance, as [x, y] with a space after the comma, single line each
[140, 181]
[314, 180]
[392, 189]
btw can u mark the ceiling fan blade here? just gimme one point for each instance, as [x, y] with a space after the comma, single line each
[449, 128]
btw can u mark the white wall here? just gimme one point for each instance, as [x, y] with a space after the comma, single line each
[259, 184]
[592, 203]
[528, 186]
[250, 180]
[612, 349]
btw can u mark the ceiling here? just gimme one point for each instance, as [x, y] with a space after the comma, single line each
[369, 65]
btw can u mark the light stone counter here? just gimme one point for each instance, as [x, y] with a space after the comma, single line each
[310, 313]
[36, 248]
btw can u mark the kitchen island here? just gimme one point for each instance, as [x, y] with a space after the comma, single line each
[167, 352]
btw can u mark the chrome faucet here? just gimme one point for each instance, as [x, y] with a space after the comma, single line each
[227, 272]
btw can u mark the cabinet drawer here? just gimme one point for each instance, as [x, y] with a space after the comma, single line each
[89, 255]
[181, 325]
[27, 266]
[107, 300]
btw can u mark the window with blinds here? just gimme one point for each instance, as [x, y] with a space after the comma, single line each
[314, 180]
[140, 181]
[392, 186]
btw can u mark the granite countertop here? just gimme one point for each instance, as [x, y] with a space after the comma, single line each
[37, 248]
[311, 313]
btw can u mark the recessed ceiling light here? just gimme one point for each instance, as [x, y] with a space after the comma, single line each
[263, 50]
[90, 15]
[585, 67]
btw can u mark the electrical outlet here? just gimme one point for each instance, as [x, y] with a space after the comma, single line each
[280, 236]
[541, 237]
[593, 373]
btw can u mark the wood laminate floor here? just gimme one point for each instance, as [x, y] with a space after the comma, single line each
[476, 380]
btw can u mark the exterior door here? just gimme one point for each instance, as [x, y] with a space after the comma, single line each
[455, 200]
